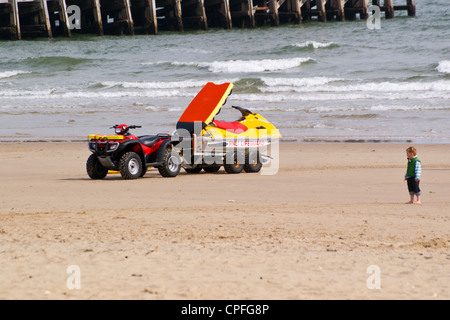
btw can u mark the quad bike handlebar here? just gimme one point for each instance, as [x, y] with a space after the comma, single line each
[130, 127]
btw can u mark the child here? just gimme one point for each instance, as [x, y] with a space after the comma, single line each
[413, 174]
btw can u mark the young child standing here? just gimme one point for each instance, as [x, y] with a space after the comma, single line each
[413, 174]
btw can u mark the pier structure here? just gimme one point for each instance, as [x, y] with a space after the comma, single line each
[48, 18]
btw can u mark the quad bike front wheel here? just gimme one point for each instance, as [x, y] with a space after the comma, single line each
[171, 165]
[130, 166]
[94, 168]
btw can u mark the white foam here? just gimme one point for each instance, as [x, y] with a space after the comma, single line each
[322, 85]
[163, 85]
[444, 66]
[298, 82]
[313, 44]
[13, 73]
[247, 66]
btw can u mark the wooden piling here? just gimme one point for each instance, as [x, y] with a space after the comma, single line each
[9, 20]
[218, 13]
[116, 17]
[352, 8]
[58, 17]
[335, 8]
[34, 19]
[91, 18]
[242, 13]
[144, 16]
[193, 14]
[169, 15]
[290, 10]
[410, 7]
[321, 11]
[388, 9]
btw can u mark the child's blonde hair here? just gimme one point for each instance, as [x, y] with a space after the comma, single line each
[412, 150]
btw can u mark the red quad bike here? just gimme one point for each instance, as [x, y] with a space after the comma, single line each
[132, 155]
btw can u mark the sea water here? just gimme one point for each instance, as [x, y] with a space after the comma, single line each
[334, 81]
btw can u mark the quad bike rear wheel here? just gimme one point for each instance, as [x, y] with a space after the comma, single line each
[130, 166]
[94, 168]
[171, 165]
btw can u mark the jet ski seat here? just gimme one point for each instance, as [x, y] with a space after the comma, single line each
[234, 126]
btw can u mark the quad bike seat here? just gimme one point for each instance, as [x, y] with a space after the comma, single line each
[148, 141]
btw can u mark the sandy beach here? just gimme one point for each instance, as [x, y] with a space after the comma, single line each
[312, 231]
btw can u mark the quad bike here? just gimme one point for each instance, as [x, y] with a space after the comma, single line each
[132, 155]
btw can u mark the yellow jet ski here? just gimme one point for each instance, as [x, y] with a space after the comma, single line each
[208, 143]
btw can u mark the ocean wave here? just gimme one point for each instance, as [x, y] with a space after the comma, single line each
[321, 84]
[444, 66]
[54, 94]
[162, 85]
[314, 45]
[338, 96]
[13, 73]
[298, 82]
[247, 66]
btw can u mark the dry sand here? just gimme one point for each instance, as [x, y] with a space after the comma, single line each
[309, 232]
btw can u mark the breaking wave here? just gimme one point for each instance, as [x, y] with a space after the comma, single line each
[13, 73]
[315, 45]
[248, 66]
[444, 66]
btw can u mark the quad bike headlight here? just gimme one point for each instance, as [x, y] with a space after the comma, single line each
[112, 146]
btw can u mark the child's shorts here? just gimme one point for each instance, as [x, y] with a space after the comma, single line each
[414, 187]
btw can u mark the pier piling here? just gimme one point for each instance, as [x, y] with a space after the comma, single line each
[144, 16]
[218, 13]
[34, 19]
[9, 20]
[193, 14]
[58, 17]
[242, 13]
[116, 17]
[91, 18]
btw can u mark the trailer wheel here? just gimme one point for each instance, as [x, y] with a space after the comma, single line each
[130, 166]
[193, 170]
[235, 166]
[253, 162]
[94, 168]
[212, 169]
[171, 165]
